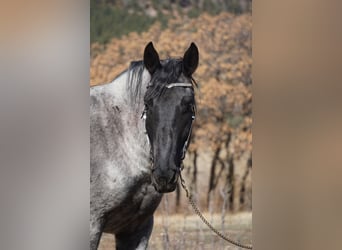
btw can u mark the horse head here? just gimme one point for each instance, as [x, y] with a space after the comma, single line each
[169, 113]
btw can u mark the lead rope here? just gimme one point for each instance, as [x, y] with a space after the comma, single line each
[198, 212]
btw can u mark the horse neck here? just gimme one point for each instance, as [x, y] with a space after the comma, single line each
[130, 111]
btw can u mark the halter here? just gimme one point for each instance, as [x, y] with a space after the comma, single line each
[186, 144]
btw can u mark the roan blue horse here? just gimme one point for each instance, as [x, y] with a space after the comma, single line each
[130, 171]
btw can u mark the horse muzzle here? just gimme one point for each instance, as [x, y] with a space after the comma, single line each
[164, 183]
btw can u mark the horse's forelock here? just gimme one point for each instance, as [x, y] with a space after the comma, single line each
[172, 69]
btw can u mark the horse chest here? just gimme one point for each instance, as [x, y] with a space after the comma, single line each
[138, 204]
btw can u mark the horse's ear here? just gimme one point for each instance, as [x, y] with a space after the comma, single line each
[190, 60]
[151, 58]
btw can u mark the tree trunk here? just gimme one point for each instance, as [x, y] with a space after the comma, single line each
[230, 182]
[212, 172]
[194, 173]
[243, 183]
[178, 194]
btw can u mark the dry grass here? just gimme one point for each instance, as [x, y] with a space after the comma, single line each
[188, 232]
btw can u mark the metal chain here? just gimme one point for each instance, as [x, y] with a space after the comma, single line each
[198, 212]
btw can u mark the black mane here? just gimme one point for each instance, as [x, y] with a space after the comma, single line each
[172, 70]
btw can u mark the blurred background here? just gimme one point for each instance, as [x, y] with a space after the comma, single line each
[218, 165]
[297, 137]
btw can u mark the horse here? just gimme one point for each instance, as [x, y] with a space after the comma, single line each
[140, 127]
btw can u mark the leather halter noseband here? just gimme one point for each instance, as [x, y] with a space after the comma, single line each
[144, 116]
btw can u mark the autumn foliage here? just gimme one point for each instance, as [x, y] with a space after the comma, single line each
[222, 133]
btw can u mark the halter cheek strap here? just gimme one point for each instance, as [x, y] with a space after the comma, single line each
[186, 144]
[144, 116]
